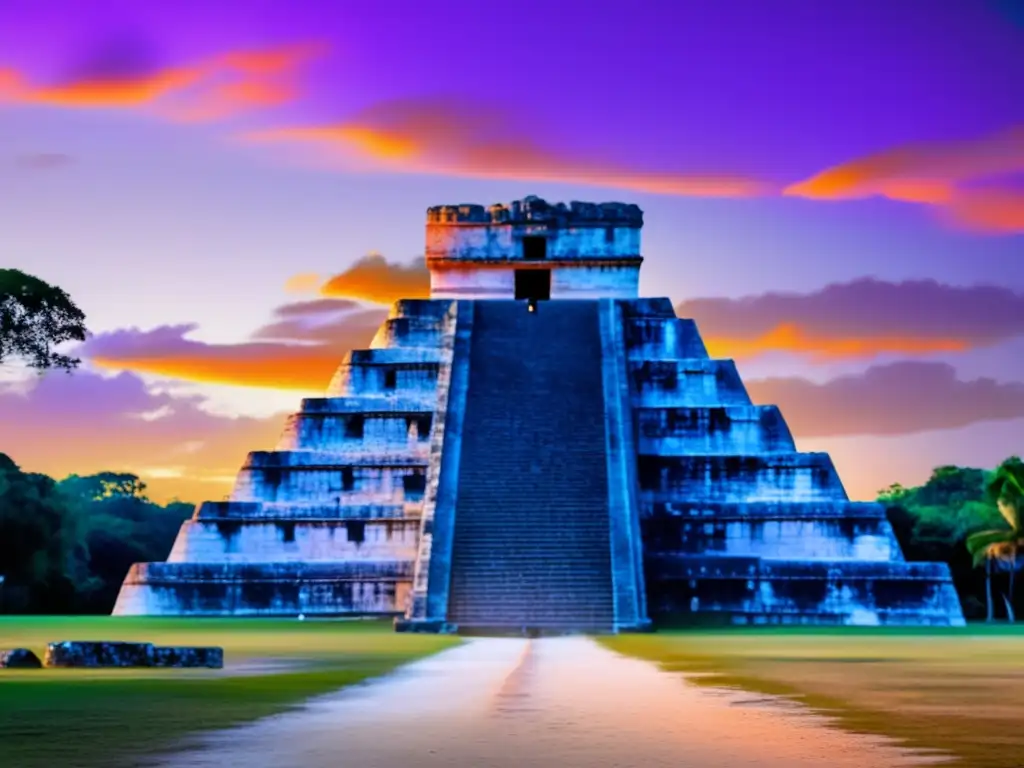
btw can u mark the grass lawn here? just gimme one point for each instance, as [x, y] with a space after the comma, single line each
[86, 718]
[957, 690]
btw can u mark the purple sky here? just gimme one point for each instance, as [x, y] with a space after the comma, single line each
[149, 218]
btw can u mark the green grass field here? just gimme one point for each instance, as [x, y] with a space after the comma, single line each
[85, 718]
[960, 691]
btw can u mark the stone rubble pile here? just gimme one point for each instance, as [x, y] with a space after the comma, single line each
[97, 654]
[19, 658]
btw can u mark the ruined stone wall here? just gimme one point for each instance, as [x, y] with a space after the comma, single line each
[594, 281]
[503, 242]
[592, 250]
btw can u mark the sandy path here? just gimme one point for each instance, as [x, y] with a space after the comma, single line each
[565, 702]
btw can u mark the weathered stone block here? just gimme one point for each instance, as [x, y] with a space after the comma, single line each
[266, 589]
[686, 383]
[94, 654]
[89, 653]
[187, 656]
[663, 338]
[19, 658]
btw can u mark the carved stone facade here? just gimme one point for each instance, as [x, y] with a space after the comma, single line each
[580, 466]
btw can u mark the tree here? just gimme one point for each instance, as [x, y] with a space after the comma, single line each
[105, 485]
[36, 539]
[35, 317]
[1002, 545]
[932, 521]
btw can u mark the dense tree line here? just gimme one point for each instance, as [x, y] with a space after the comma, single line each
[66, 545]
[971, 519]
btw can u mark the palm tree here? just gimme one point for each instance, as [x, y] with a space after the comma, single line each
[1002, 545]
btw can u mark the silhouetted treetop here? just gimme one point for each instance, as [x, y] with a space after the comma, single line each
[35, 317]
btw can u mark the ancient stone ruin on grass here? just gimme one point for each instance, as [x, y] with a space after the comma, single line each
[536, 447]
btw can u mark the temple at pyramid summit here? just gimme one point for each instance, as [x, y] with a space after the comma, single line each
[536, 448]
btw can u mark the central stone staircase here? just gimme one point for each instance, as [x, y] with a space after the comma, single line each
[532, 545]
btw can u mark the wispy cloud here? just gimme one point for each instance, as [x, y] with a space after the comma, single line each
[999, 211]
[304, 282]
[299, 350]
[87, 423]
[456, 137]
[215, 88]
[861, 319]
[373, 278]
[974, 181]
[898, 399]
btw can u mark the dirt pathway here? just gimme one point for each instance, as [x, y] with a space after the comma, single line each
[565, 702]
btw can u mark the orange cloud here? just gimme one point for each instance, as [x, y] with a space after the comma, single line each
[268, 78]
[215, 89]
[299, 351]
[942, 174]
[271, 366]
[229, 99]
[304, 282]
[10, 84]
[454, 137]
[276, 61]
[922, 172]
[128, 92]
[789, 337]
[374, 278]
[991, 210]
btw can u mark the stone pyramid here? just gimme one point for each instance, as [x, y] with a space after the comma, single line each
[536, 448]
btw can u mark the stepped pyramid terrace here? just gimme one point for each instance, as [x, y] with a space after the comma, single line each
[537, 448]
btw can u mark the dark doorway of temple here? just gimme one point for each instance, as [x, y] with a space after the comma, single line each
[533, 284]
[535, 248]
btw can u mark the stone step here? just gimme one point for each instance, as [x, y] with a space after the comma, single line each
[818, 530]
[663, 338]
[753, 478]
[409, 379]
[674, 566]
[393, 356]
[656, 307]
[301, 459]
[755, 511]
[532, 530]
[340, 485]
[294, 511]
[356, 434]
[693, 589]
[266, 589]
[686, 383]
[309, 541]
[425, 309]
[167, 573]
[409, 332]
[726, 429]
[366, 405]
[828, 539]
